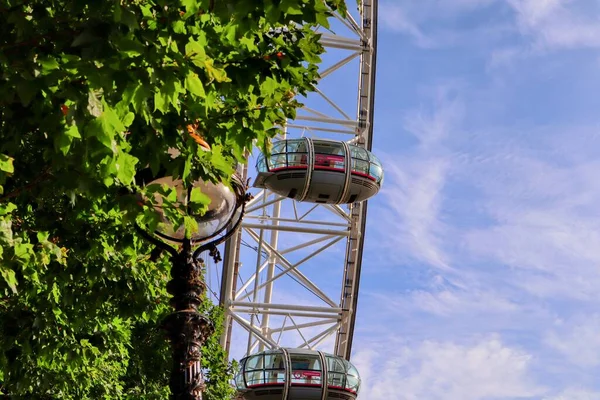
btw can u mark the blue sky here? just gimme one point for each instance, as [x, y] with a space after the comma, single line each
[482, 262]
[481, 269]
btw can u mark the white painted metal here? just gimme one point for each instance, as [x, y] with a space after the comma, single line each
[290, 241]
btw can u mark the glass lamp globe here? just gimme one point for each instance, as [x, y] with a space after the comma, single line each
[220, 210]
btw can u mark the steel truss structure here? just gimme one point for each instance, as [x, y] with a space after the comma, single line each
[285, 240]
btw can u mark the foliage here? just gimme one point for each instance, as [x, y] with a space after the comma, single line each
[92, 94]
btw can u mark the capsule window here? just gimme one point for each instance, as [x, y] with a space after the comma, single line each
[360, 166]
[255, 378]
[306, 369]
[329, 155]
[375, 160]
[277, 161]
[274, 368]
[239, 381]
[359, 153]
[332, 148]
[376, 172]
[278, 147]
[239, 378]
[261, 164]
[352, 379]
[254, 362]
[254, 373]
[296, 146]
[297, 159]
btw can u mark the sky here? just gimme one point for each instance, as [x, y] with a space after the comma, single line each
[481, 267]
[481, 272]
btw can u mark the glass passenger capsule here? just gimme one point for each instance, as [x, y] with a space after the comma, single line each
[320, 171]
[296, 374]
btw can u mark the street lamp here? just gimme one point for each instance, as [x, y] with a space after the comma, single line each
[187, 329]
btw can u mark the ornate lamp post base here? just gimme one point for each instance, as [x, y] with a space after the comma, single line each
[186, 328]
[187, 331]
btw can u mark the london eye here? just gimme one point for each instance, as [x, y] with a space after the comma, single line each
[290, 278]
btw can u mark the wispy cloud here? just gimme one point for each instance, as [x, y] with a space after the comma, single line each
[546, 223]
[509, 30]
[556, 24]
[482, 369]
[577, 339]
[414, 183]
[500, 227]
[396, 19]
[432, 23]
[575, 394]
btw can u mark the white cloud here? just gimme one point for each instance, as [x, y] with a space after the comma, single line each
[452, 302]
[445, 370]
[578, 340]
[541, 199]
[414, 198]
[575, 394]
[396, 19]
[411, 17]
[559, 23]
[513, 30]
[414, 184]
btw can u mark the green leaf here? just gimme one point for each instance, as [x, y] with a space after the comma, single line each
[194, 50]
[198, 197]
[23, 251]
[128, 120]
[125, 166]
[187, 168]
[48, 64]
[179, 27]
[6, 164]
[249, 43]
[140, 94]
[55, 293]
[62, 143]
[191, 226]
[94, 106]
[191, 6]
[42, 236]
[105, 127]
[27, 90]
[231, 33]
[6, 208]
[161, 101]
[194, 85]
[216, 73]
[112, 118]
[291, 7]
[323, 20]
[73, 131]
[168, 94]
[220, 161]
[268, 87]
[6, 233]
[131, 48]
[10, 278]
[126, 17]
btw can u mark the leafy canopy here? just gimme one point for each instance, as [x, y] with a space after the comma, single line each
[93, 95]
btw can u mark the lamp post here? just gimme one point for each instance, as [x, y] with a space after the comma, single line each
[187, 329]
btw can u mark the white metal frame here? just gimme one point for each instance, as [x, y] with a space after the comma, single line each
[250, 304]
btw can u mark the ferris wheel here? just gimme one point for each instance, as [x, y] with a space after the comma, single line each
[290, 278]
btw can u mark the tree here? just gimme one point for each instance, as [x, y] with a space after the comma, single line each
[92, 94]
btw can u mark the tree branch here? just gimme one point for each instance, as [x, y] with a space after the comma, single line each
[44, 176]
